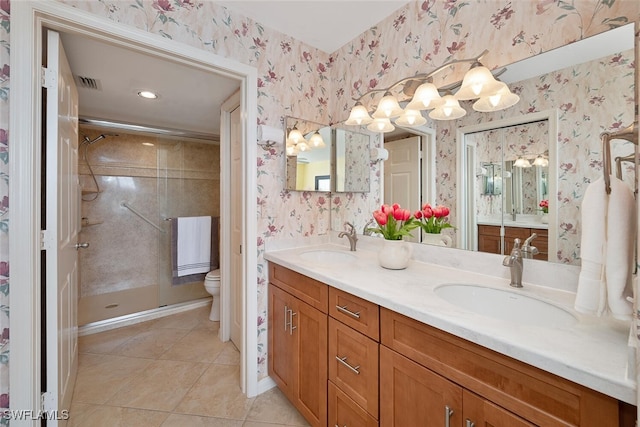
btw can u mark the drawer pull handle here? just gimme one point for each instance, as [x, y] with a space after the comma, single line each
[343, 360]
[286, 323]
[470, 423]
[291, 327]
[447, 416]
[349, 312]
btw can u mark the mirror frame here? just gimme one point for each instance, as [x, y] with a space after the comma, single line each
[466, 157]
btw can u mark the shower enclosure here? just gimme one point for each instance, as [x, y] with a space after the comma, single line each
[141, 182]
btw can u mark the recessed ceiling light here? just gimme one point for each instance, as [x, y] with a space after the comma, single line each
[147, 94]
[148, 144]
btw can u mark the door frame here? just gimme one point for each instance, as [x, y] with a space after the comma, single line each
[28, 20]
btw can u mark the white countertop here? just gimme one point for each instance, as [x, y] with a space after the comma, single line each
[593, 353]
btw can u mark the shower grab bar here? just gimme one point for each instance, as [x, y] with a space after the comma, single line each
[144, 218]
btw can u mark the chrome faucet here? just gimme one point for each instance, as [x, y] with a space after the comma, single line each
[366, 231]
[529, 251]
[514, 262]
[351, 235]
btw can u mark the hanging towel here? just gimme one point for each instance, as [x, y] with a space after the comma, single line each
[621, 234]
[608, 230]
[591, 293]
[194, 248]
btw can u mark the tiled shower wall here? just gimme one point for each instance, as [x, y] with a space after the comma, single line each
[160, 178]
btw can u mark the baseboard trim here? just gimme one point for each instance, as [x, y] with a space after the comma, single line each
[143, 316]
[265, 384]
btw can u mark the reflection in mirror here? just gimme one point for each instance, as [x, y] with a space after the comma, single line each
[308, 152]
[585, 98]
[352, 162]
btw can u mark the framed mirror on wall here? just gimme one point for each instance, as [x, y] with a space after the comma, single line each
[308, 147]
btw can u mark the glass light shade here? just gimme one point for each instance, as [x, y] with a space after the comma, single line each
[358, 116]
[449, 110]
[522, 163]
[388, 107]
[477, 83]
[316, 141]
[541, 161]
[504, 98]
[303, 146]
[295, 136]
[411, 118]
[292, 150]
[425, 98]
[381, 125]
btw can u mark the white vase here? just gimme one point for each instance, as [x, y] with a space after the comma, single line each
[395, 254]
[544, 218]
[437, 239]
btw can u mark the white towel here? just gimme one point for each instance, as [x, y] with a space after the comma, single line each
[194, 245]
[607, 242]
[621, 234]
[591, 294]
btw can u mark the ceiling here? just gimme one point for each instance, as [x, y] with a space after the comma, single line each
[189, 99]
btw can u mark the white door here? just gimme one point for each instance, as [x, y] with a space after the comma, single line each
[62, 224]
[235, 222]
[402, 175]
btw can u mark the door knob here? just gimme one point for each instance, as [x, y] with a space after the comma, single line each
[82, 245]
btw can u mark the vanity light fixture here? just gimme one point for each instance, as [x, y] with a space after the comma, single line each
[316, 140]
[147, 94]
[541, 161]
[478, 83]
[521, 162]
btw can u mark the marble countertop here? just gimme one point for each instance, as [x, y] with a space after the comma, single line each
[524, 221]
[593, 353]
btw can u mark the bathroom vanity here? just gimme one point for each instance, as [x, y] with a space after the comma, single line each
[352, 344]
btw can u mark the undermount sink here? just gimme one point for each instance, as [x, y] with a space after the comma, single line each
[506, 305]
[327, 256]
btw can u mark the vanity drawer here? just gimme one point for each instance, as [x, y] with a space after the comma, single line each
[353, 365]
[535, 395]
[361, 315]
[343, 411]
[314, 293]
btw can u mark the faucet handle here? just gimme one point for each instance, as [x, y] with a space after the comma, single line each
[352, 229]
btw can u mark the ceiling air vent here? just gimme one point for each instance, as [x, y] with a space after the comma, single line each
[88, 83]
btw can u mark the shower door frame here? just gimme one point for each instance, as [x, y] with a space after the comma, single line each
[29, 19]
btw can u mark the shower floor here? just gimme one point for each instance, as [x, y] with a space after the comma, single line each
[114, 304]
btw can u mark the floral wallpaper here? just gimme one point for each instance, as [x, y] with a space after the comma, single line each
[426, 34]
[297, 80]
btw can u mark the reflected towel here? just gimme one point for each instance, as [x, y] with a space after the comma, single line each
[591, 293]
[621, 234]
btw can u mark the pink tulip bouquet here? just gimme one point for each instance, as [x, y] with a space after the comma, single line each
[544, 206]
[394, 222]
[433, 219]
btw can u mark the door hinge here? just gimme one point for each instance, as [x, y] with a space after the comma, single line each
[49, 78]
[240, 249]
[47, 403]
[45, 240]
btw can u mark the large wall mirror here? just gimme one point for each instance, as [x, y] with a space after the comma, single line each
[548, 146]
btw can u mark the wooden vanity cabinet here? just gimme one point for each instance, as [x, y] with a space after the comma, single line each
[297, 331]
[489, 239]
[475, 382]
[354, 330]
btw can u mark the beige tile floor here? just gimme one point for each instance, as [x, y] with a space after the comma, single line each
[169, 372]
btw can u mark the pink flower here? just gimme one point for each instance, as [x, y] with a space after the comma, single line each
[386, 209]
[380, 217]
[417, 214]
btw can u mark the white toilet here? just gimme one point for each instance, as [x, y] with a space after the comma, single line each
[212, 285]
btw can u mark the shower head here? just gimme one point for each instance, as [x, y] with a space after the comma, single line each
[89, 141]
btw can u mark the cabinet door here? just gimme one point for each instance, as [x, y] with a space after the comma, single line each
[310, 330]
[412, 395]
[353, 365]
[281, 341]
[343, 411]
[479, 412]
